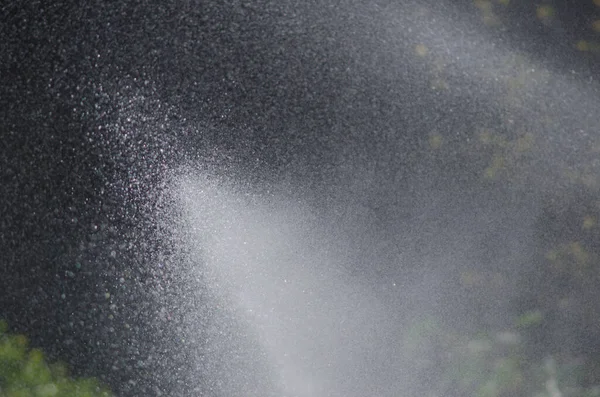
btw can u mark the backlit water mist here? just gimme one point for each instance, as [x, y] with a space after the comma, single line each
[304, 199]
[327, 287]
[274, 265]
[337, 288]
[311, 320]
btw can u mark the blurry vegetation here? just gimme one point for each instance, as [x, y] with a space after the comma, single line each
[552, 349]
[495, 365]
[496, 14]
[24, 372]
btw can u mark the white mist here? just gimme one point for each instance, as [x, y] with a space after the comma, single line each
[272, 265]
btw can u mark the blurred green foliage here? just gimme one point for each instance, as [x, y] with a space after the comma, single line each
[494, 365]
[24, 372]
[550, 349]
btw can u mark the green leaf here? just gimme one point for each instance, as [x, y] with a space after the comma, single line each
[24, 372]
[530, 318]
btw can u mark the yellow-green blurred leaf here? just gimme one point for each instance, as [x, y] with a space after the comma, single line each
[524, 143]
[495, 167]
[421, 50]
[489, 389]
[589, 222]
[578, 252]
[582, 45]
[435, 140]
[530, 318]
[545, 12]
